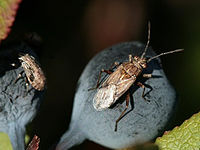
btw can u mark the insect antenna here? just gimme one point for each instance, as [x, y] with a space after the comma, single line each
[165, 53]
[147, 45]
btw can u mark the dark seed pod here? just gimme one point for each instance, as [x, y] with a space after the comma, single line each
[143, 121]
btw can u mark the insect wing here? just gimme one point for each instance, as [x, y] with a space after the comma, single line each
[104, 97]
[114, 87]
[123, 86]
[114, 77]
[28, 72]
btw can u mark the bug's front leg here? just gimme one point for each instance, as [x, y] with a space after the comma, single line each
[142, 86]
[115, 64]
[122, 114]
[130, 58]
[26, 80]
[27, 85]
[18, 77]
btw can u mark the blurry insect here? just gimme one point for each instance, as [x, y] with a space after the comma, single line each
[119, 81]
[33, 72]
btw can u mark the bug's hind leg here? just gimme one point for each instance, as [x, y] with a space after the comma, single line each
[115, 64]
[143, 95]
[122, 114]
[99, 78]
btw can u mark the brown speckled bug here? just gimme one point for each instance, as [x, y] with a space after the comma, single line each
[119, 81]
[33, 72]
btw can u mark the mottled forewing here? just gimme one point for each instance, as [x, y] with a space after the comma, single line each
[123, 86]
[114, 77]
[104, 97]
[28, 71]
[113, 87]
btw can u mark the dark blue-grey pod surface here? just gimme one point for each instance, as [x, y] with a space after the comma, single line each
[18, 105]
[141, 124]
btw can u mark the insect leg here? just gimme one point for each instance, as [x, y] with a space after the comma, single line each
[18, 77]
[142, 86]
[115, 64]
[130, 58]
[122, 114]
[99, 78]
[27, 84]
[147, 75]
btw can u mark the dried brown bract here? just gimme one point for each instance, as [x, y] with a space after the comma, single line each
[34, 144]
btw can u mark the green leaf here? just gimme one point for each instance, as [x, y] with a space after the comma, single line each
[27, 139]
[185, 137]
[5, 143]
[8, 9]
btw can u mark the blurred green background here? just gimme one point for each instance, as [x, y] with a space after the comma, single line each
[74, 31]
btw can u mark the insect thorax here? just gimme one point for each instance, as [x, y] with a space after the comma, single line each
[132, 69]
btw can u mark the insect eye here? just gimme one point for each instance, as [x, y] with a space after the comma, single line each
[135, 58]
